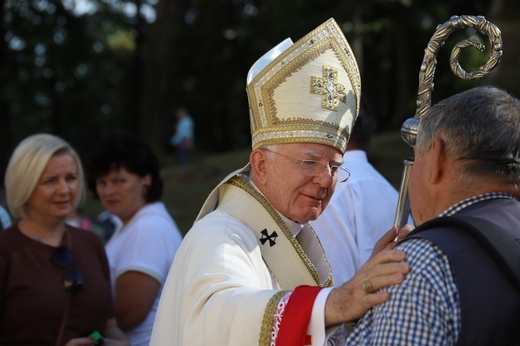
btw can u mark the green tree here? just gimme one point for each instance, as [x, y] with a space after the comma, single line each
[64, 72]
[127, 64]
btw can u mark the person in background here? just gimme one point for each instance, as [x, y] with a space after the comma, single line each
[104, 225]
[361, 210]
[78, 220]
[5, 218]
[183, 138]
[251, 270]
[54, 278]
[123, 173]
[467, 164]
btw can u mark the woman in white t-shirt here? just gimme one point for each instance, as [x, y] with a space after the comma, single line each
[123, 173]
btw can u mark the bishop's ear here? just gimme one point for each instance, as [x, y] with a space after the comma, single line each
[258, 160]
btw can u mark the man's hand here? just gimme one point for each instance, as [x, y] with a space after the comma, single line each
[352, 300]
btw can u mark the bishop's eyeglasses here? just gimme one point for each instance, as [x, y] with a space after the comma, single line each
[312, 168]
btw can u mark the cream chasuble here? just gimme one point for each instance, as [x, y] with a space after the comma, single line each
[292, 261]
[233, 267]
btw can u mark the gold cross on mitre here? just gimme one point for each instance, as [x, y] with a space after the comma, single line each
[332, 91]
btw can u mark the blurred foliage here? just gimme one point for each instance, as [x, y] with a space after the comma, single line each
[80, 69]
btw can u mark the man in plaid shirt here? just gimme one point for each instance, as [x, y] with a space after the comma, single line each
[467, 164]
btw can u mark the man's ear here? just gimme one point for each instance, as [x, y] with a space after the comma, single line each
[258, 161]
[438, 160]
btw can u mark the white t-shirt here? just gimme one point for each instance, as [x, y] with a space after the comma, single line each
[146, 244]
[360, 211]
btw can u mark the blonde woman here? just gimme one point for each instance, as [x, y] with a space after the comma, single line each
[54, 278]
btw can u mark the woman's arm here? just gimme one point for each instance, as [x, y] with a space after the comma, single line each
[135, 294]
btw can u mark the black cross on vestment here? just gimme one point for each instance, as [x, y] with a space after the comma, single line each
[271, 237]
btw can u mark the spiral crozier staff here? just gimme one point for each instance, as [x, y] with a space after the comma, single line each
[411, 125]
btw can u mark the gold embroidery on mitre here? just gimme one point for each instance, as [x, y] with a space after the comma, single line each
[328, 86]
[283, 110]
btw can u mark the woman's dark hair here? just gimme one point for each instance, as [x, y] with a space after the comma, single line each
[123, 150]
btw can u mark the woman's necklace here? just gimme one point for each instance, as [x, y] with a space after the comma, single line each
[52, 238]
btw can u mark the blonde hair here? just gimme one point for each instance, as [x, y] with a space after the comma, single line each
[26, 166]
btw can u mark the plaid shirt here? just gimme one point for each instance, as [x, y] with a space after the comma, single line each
[424, 309]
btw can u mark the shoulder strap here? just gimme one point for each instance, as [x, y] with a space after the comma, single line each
[500, 245]
[504, 249]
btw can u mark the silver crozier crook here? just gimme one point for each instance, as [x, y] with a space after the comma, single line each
[411, 125]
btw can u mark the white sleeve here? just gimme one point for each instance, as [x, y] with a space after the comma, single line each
[316, 326]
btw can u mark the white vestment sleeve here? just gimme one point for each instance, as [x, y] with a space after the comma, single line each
[317, 324]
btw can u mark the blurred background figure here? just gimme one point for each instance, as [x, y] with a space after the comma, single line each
[183, 138]
[105, 225]
[76, 219]
[123, 173]
[54, 278]
[5, 219]
[361, 210]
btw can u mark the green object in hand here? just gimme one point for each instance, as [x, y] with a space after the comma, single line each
[98, 338]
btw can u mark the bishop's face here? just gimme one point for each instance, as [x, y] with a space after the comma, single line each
[291, 190]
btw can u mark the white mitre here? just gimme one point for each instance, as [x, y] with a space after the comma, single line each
[308, 91]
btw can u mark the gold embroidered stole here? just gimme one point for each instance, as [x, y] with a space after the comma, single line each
[292, 261]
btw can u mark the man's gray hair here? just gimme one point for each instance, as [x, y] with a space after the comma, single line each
[480, 126]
